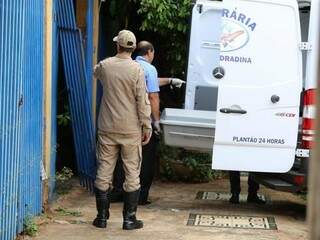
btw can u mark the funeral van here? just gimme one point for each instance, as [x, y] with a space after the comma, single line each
[250, 94]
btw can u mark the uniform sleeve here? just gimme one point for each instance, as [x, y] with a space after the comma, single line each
[142, 101]
[97, 71]
[152, 81]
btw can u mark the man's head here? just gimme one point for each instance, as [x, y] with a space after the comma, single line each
[126, 41]
[146, 50]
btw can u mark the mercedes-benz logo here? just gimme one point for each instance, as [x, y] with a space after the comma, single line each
[218, 72]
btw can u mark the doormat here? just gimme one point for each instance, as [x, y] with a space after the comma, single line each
[224, 196]
[232, 221]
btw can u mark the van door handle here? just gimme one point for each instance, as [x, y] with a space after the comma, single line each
[230, 110]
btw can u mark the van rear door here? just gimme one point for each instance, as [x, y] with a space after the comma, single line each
[204, 56]
[259, 95]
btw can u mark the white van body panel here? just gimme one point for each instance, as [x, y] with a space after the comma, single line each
[262, 61]
[204, 49]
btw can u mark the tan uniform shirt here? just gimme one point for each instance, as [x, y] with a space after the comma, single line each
[125, 107]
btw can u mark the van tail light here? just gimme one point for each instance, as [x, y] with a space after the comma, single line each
[299, 180]
[309, 119]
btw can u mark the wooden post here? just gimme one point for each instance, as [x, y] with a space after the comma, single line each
[314, 170]
[47, 93]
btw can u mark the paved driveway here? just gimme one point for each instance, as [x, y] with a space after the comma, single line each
[167, 217]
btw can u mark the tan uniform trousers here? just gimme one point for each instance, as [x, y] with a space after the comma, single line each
[108, 148]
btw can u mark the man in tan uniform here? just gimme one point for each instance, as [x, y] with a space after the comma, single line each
[124, 125]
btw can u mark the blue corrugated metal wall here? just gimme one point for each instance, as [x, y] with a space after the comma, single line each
[76, 80]
[21, 112]
[11, 49]
[32, 112]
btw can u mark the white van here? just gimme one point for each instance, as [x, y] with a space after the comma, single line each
[251, 83]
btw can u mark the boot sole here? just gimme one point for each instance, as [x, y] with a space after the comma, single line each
[257, 203]
[99, 225]
[132, 228]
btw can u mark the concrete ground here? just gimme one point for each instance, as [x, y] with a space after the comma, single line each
[166, 218]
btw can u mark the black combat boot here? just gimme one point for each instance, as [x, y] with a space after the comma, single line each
[103, 204]
[143, 197]
[234, 198]
[254, 198]
[130, 221]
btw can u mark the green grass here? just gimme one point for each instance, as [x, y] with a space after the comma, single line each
[66, 212]
[30, 227]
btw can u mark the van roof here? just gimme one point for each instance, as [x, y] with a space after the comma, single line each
[302, 3]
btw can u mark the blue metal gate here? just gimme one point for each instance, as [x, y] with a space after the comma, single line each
[76, 80]
[89, 48]
[21, 113]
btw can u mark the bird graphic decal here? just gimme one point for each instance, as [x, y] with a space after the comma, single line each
[228, 38]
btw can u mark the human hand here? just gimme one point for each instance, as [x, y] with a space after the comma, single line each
[146, 135]
[176, 82]
[156, 127]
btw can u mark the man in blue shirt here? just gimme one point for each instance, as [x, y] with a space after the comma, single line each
[145, 56]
